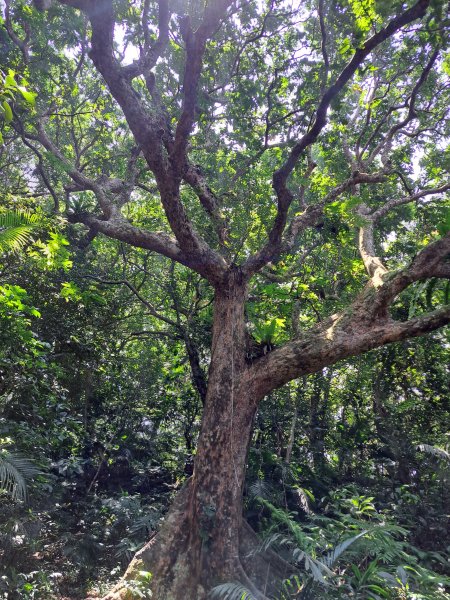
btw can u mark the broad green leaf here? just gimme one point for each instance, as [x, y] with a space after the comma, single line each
[7, 111]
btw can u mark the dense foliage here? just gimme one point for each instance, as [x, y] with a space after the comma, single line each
[111, 421]
[105, 340]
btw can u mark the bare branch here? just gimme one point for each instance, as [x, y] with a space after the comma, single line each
[386, 142]
[43, 174]
[151, 309]
[208, 199]
[285, 277]
[388, 206]
[107, 206]
[308, 218]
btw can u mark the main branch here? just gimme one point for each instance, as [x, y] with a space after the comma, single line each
[148, 130]
[364, 325]
[280, 177]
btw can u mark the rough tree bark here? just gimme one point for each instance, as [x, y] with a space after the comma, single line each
[203, 541]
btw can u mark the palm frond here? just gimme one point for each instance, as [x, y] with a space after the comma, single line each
[439, 453]
[317, 568]
[260, 489]
[14, 218]
[15, 472]
[231, 591]
[333, 556]
[16, 228]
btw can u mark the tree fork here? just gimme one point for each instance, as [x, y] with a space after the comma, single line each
[203, 541]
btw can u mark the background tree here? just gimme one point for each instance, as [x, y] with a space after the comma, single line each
[250, 173]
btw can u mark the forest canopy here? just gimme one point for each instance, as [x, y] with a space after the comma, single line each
[224, 286]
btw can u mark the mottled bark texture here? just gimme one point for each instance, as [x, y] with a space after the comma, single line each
[203, 540]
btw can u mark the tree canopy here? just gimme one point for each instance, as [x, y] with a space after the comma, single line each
[205, 205]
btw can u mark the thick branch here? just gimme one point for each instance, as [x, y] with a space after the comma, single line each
[120, 229]
[432, 261]
[321, 348]
[372, 262]
[280, 177]
[145, 128]
[148, 132]
[152, 52]
[195, 49]
[148, 129]
[374, 265]
[363, 326]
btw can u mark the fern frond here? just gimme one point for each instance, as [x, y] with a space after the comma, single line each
[231, 591]
[276, 539]
[317, 568]
[281, 517]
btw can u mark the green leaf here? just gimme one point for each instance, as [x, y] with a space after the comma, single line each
[28, 96]
[10, 80]
[444, 226]
[8, 112]
[345, 47]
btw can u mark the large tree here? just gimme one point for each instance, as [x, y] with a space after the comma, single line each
[264, 146]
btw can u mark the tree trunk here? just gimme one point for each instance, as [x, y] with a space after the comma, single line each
[201, 540]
